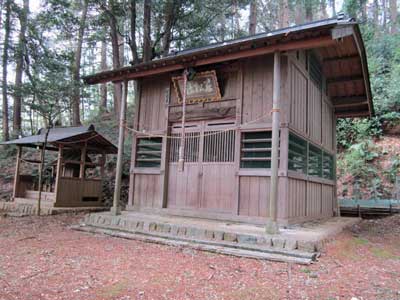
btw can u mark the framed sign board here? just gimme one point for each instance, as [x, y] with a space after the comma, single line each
[202, 88]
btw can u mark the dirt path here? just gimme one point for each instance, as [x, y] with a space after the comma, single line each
[40, 258]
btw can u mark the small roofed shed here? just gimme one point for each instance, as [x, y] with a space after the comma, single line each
[252, 137]
[74, 179]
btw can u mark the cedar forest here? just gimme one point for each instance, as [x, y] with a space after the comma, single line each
[48, 45]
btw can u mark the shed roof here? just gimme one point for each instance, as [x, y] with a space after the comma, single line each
[70, 137]
[338, 41]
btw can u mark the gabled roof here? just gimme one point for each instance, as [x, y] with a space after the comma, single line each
[68, 137]
[338, 41]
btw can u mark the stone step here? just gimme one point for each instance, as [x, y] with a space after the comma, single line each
[257, 245]
[201, 245]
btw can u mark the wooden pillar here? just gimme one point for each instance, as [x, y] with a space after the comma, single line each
[181, 160]
[58, 171]
[16, 176]
[116, 210]
[131, 197]
[83, 162]
[272, 226]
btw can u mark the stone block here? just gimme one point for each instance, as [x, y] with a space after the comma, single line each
[246, 239]
[278, 243]
[306, 246]
[230, 237]
[291, 245]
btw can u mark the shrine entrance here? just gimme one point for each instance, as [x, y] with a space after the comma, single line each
[207, 180]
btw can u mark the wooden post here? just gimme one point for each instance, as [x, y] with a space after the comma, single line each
[272, 225]
[58, 171]
[181, 160]
[131, 200]
[16, 177]
[116, 210]
[41, 167]
[83, 162]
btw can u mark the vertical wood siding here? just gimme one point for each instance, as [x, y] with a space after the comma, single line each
[152, 103]
[257, 89]
[254, 196]
[314, 199]
[328, 126]
[147, 190]
[309, 200]
[314, 112]
[298, 105]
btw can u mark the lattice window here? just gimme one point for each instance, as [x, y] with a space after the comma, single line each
[328, 170]
[256, 149]
[192, 142]
[297, 154]
[314, 161]
[219, 146]
[148, 152]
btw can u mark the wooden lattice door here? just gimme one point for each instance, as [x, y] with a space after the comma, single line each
[208, 179]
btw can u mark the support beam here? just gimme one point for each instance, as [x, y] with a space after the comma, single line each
[338, 101]
[116, 210]
[272, 225]
[350, 105]
[354, 114]
[166, 65]
[41, 168]
[337, 59]
[59, 167]
[83, 162]
[131, 199]
[344, 79]
[16, 176]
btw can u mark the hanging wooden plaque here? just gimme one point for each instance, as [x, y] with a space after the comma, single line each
[202, 88]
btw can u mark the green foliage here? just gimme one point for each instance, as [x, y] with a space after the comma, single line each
[393, 169]
[351, 131]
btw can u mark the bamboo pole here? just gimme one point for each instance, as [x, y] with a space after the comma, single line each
[272, 225]
[116, 210]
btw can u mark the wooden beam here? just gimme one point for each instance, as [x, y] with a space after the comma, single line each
[135, 72]
[83, 162]
[348, 99]
[59, 168]
[115, 209]
[272, 226]
[354, 104]
[344, 79]
[355, 114]
[336, 59]
[16, 176]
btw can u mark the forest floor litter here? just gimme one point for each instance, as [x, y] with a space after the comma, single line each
[41, 258]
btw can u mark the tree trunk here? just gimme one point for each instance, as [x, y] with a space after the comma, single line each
[169, 17]
[376, 15]
[103, 86]
[132, 39]
[308, 7]
[7, 29]
[117, 87]
[147, 51]
[19, 70]
[299, 12]
[76, 120]
[283, 13]
[324, 13]
[253, 17]
[393, 16]
[384, 15]
[333, 6]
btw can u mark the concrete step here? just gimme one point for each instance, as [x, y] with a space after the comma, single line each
[204, 236]
[220, 248]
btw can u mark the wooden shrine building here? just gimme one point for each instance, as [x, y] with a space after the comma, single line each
[288, 85]
[74, 179]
